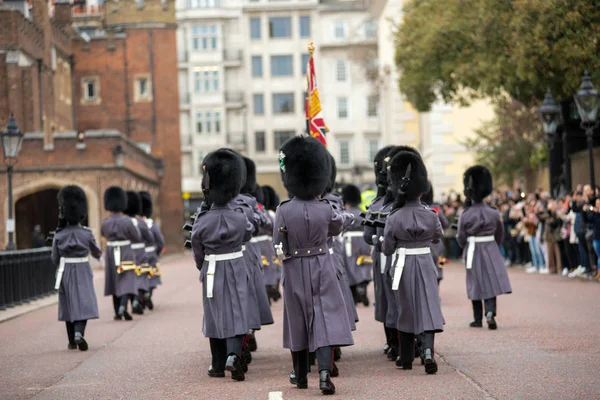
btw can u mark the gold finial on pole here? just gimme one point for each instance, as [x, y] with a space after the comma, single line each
[311, 48]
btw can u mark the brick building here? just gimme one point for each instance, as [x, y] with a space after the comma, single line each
[97, 95]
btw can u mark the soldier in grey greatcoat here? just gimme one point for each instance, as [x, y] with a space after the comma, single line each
[314, 315]
[154, 252]
[437, 250]
[71, 248]
[220, 229]
[119, 268]
[358, 253]
[480, 231]
[410, 229]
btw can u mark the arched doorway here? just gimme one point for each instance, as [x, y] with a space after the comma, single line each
[39, 208]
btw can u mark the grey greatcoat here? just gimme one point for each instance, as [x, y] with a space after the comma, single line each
[271, 264]
[222, 230]
[335, 243]
[391, 316]
[159, 244]
[488, 277]
[415, 226]
[118, 227]
[314, 313]
[255, 265]
[142, 257]
[380, 303]
[357, 252]
[76, 295]
[437, 249]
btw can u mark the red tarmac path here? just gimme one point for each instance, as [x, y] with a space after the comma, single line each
[547, 347]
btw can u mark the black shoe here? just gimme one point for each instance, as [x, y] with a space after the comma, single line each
[491, 321]
[365, 300]
[402, 365]
[325, 383]
[337, 354]
[247, 356]
[118, 317]
[138, 309]
[234, 366]
[127, 316]
[215, 374]
[476, 324]
[392, 354]
[251, 344]
[72, 346]
[430, 364]
[149, 304]
[299, 383]
[386, 348]
[335, 372]
[293, 379]
[80, 341]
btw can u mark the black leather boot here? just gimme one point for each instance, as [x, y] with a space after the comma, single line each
[491, 321]
[430, 363]
[234, 366]
[251, 342]
[325, 383]
[337, 353]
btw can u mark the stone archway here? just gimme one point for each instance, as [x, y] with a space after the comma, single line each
[39, 208]
[30, 187]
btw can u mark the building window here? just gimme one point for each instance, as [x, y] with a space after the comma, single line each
[281, 137]
[208, 122]
[372, 105]
[339, 30]
[142, 89]
[259, 141]
[280, 27]
[304, 62]
[90, 90]
[255, 28]
[345, 152]
[370, 29]
[206, 80]
[305, 26]
[257, 70]
[283, 103]
[373, 148]
[282, 66]
[341, 71]
[342, 107]
[259, 104]
[204, 3]
[204, 37]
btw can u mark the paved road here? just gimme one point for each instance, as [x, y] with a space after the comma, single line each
[546, 347]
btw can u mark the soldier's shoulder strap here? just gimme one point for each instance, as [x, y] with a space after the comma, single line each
[149, 222]
[284, 202]
[134, 221]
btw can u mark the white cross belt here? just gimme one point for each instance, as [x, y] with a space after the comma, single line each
[61, 267]
[258, 239]
[471, 249]
[401, 254]
[150, 249]
[212, 263]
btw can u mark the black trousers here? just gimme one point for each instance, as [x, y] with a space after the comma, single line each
[571, 259]
[116, 303]
[220, 349]
[490, 305]
[407, 347]
[77, 326]
[392, 337]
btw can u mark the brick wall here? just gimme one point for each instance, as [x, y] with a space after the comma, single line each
[127, 12]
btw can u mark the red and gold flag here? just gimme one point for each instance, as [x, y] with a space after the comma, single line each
[315, 125]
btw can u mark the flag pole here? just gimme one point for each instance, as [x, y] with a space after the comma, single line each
[311, 50]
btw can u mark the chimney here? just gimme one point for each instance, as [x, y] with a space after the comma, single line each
[62, 13]
[40, 13]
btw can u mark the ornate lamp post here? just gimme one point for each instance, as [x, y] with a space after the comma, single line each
[587, 105]
[549, 113]
[12, 138]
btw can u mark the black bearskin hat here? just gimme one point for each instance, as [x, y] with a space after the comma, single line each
[395, 150]
[134, 204]
[73, 204]
[146, 204]
[271, 198]
[417, 183]
[381, 178]
[428, 196]
[332, 174]
[115, 199]
[478, 183]
[249, 186]
[351, 195]
[258, 195]
[304, 163]
[222, 171]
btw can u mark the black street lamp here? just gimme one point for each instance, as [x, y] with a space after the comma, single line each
[12, 138]
[587, 105]
[550, 114]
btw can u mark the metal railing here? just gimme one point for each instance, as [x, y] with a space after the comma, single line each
[25, 276]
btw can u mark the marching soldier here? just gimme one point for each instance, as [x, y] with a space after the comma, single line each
[480, 230]
[119, 232]
[314, 314]
[437, 250]
[271, 264]
[357, 252]
[155, 251]
[71, 249]
[409, 230]
[219, 231]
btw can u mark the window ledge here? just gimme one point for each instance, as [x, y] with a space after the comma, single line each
[90, 102]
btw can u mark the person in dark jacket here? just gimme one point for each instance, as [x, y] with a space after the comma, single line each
[38, 240]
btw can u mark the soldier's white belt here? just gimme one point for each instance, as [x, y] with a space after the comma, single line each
[117, 244]
[137, 246]
[400, 260]
[150, 249]
[471, 249]
[348, 238]
[61, 267]
[261, 238]
[212, 263]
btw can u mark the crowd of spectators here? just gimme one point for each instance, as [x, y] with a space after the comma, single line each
[542, 234]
